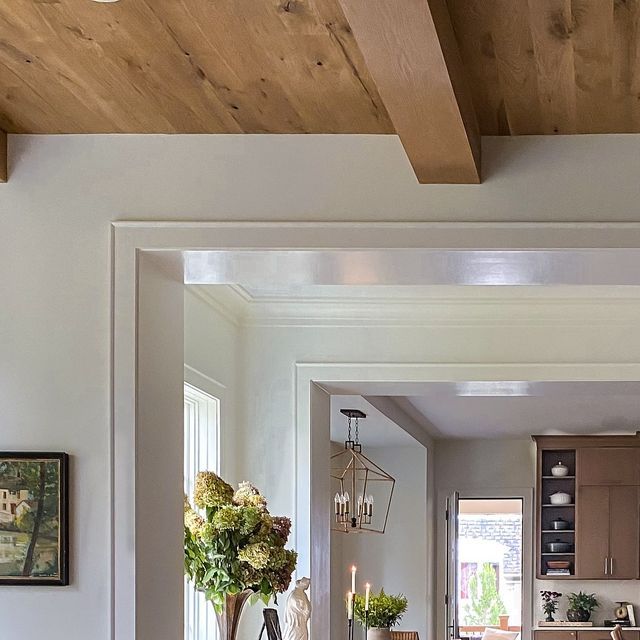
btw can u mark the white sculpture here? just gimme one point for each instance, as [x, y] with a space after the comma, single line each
[298, 612]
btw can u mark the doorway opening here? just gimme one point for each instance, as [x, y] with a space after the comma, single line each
[490, 566]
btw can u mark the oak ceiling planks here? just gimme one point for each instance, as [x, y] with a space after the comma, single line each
[551, 66]
[293, 66]
[229, 66]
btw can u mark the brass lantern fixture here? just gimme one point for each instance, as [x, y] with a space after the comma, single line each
[363, 490]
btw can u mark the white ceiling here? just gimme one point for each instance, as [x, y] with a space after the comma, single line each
[305, 291]
[376, 430]
[518, 409]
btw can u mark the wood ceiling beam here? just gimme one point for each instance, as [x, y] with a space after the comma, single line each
[412, 54]
[4, 164]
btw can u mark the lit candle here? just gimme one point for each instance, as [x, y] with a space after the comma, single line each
[366, 596]
[370, 505]
[347, 505]
[336, 502]
[350, 605]
[353, 579]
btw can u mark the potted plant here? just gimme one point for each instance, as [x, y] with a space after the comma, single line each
[384, 612]
[581, 606]
[234, 549]
[550, 603]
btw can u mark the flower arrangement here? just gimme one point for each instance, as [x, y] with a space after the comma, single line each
[232, 544]
[581, 606]
[384, 611]
[550, 603]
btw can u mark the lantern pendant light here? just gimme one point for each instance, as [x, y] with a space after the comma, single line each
[363, 490]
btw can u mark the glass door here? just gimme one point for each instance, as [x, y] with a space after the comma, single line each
[451, 597]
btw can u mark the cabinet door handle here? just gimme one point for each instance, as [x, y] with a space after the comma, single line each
[606, 566]
[610, 566]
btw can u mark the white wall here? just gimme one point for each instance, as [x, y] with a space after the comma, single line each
[396, 561]
[211, 354]
[55, 284]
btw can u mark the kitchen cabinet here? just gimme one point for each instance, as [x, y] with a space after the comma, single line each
[600, 466]
[592, 527]
[607, 533]
[583, 634]
[556, 634]
[600, 516]
[605, 634]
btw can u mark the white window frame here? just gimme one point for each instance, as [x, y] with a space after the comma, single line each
[201, 453]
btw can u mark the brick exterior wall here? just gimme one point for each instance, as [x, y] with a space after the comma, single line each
[505, 529]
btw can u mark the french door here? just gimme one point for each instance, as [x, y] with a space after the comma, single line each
[451, 596]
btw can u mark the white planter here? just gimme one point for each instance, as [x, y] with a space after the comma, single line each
[379, 634]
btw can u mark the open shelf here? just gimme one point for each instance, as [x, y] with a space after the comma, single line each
[558, 506]
[547, 485]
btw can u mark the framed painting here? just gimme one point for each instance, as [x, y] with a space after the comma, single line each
[34, 519]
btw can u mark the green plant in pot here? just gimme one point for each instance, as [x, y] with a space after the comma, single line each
[384, 612]
[581, 606]
[234, 549]
[550, 603]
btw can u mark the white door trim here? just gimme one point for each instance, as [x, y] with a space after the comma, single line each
[169, 240]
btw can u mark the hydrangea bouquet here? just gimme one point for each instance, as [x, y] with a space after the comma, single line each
[234, 548]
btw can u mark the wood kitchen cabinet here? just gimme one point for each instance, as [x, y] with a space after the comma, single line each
[605, 634]
[601, 517]
[607, 533]
[583, 634]
[599, 466]
[556, 634]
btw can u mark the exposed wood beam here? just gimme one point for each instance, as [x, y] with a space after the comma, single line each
[4, 165]
[412, 55]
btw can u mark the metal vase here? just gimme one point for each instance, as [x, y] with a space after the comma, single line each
[229, 619]
[379, 634]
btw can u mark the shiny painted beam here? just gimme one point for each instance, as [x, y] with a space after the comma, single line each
[415, 267]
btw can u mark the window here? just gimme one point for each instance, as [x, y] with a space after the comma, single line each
[201, 453]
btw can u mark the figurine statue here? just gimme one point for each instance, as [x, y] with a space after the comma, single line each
[298, 612]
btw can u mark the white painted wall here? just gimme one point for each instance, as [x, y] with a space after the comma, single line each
[211, 353]
[396, 561]
[55, 286]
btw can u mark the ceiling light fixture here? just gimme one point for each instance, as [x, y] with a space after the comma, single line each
[353, 474]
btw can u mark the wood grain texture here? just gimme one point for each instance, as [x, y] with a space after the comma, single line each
[552, 66]
[294, 66]
[183, 66]
[4, 162]
[412, 55]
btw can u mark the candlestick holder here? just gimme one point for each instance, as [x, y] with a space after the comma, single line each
[366, 624]
[350, 629]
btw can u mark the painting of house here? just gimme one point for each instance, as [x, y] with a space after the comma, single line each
[13, 491]
[33, 545]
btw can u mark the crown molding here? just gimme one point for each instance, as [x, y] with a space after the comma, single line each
[225, 302]
[239, 307]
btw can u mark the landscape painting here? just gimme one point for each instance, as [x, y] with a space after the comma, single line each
[33, 519]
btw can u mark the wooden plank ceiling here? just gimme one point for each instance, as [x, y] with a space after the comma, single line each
[183, 66]
[295, 66]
